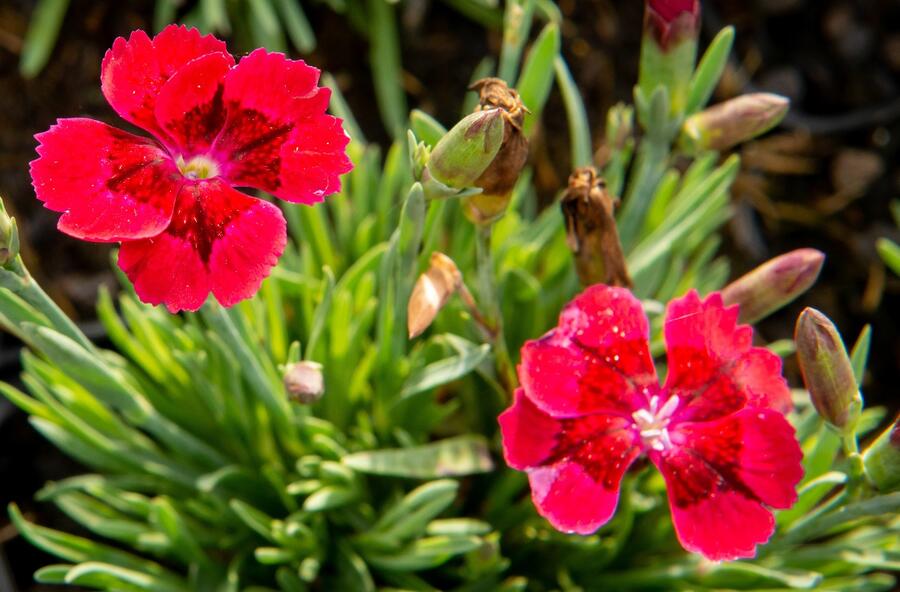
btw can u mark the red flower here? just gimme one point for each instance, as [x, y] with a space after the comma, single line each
[669, 10]
[185, 231]
[590, 404]
[669, 21]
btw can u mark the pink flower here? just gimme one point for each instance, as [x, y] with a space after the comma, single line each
[670, 21]
[170, 200]
[591, 404]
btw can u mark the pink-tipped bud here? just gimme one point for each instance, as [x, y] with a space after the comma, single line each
[735, 121]
[827, 371]
[774, 284]
[304, 383]
[882, 459]
[670, 20]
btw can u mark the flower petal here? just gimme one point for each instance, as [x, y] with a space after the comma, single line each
[580, 490]
[597, 360]
[134, 70]
[721, 475]
[276, 136]
[111, 185]
[189, 106]
[529, 435]
[713, 367]
[219, 241]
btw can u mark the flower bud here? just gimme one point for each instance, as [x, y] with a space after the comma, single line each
[827, 371]
[669, 49]
[773, 284]
[668, 21]
[591, 230]
[463, 154]
[304, 383]
[499, 178]
[882, 459]
[9, 237]
[431, 292]
[736, 120]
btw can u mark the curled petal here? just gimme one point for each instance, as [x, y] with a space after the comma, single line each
[111, 185]
[276, 135]
[722, 475]
[189, 106]
[597, 360]
[713, 367]
[219, 241]
[134, 70]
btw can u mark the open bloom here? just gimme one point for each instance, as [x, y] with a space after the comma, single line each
[170, 200]
[591, 404]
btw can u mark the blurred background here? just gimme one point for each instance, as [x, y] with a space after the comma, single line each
[826, 178]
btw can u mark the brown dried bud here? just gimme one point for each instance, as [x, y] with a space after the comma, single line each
[304, 383]
[591, 230]
[431, 292]
[498, 180]
[774, 284]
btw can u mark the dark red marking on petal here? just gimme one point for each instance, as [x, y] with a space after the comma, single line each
[111, 185]
[577, 489]
[597, 360]
[713, 366]
[134, 70]
[190, 107]
[720, 476]
[277, 136]
[219, 241]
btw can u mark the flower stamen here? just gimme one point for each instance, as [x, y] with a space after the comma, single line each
[199, 167]
[653, 422]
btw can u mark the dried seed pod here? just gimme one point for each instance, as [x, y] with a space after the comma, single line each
[431, 292]
[591, 230]
[499, 178]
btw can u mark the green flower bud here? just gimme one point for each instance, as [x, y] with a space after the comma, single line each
[827, 371]
[9, 237]
[737, 120]
[466, 151]
[882, 459]
[773, 284]
[304, 383]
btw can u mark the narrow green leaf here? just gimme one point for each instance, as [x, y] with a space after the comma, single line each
[387, 75]
[444, 371]
[461, 455]
[329, 498]
[709, 70]
[890, 253]
[43, 31]
[297, 25]
[579, 127]
[859, 355]
[536, 79]
[425, 553]
[265, 27]
[516, 25]
[427, 128]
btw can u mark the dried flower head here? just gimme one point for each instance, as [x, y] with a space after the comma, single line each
[432, 291]
[591, 230]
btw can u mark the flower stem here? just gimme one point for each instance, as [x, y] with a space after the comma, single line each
[490, 300]
[649, 167]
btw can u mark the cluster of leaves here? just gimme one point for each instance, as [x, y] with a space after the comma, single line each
[213, 480]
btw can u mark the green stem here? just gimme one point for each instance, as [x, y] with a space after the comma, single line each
[490, 301]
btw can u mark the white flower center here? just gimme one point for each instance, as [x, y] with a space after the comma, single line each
[653, 422]
[199, 167]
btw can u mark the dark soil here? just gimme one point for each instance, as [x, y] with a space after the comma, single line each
[824, 179]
